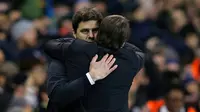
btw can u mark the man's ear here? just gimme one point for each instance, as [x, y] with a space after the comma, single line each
[74, 34]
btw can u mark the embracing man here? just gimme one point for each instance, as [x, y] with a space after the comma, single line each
[84, 84]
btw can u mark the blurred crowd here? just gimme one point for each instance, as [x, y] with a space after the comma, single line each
[170, 30]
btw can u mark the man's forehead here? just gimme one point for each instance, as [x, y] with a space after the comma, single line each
[88, 24]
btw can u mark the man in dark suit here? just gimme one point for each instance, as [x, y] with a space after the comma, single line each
[85, 25]
[111, 93]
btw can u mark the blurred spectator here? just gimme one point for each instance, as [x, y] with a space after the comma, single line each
[65, 26]
[192, 93]
[23, 32]
[80, 4]
[23, 36]
[100, 5]
[18, 102]
[61, 8]
[7, 67]
[138, 93]
[31, 5]
[31, 65]
[4, 23]
[14, 15]
[174, 100]
[4, 5]
[2, 56]
[3, 35]
[5, 96]
[36, 77]
[43, 99]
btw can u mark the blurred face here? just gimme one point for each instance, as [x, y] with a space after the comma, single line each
[14, 15]
[61, 10]
[179, 19]
[87, 30]
[66, 27]
[42, 23]
[192, 40]
[2, 36]
[139, 14]
[155, 9]
[4, 22]
[80, 5]
[151, 43]
[30, 37]
[68, 24]
[159, 60]
[173, 67]
[151, 7]
[175, 101]
[3, 6]
[39, 74]
[19, 91]
[2, 81]
[2, 57]
[192, 88]
[101, 6]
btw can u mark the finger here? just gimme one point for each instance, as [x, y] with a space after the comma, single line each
[94, 59]
[109, 59]
[113, 68]
[111, 62]
[104, 58]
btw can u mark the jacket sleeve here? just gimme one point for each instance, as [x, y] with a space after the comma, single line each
[60, 89]
[55, 48]
[139, 53]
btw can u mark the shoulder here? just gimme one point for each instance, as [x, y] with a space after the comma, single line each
[60, 42]
[133, 49]
[79, 45]
[65, 40]
[130, 46]
[83, 43]
[135, 55]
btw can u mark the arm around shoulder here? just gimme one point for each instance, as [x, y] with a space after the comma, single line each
[60, 88]
[55, 48]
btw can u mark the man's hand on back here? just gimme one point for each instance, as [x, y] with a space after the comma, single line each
[100, 69]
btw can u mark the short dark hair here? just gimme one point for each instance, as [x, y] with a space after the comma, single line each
[86, 14]
[174, 86]
[114, 30]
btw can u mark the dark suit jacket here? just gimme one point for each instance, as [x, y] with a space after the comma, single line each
[107, 95]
